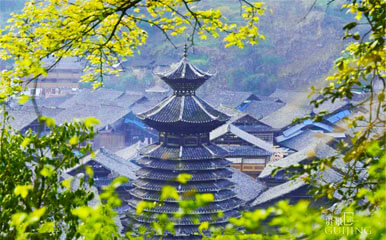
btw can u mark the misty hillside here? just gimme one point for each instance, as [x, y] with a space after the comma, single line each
[299, 49]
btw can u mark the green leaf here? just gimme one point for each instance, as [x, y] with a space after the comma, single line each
[350, 26]
[141, 206]
[50, 122]
[203, 226]
[82, 212]
[23, 99]
[91, 121]
[183, 178]
[89, 171]
[374, 148]
[118, 181]
[381, 96]
[36, 215]
[18, 218]
[26, 142]
[47, 171]
[169, 192]
[23, 190]
[73, 140]
[47, 227]
[67, 183]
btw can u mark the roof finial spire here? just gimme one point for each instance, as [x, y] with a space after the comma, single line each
[185, 50]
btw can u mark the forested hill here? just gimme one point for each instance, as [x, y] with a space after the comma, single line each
[299, 49]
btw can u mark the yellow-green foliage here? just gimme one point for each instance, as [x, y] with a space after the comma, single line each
[103, 33]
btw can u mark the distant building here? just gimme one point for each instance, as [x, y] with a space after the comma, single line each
[62, 80]
[260, 106]
[280, 187]
[106, 167]
[247, 140]
[119, 127]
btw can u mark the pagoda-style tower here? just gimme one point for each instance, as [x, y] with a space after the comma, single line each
[184, 122]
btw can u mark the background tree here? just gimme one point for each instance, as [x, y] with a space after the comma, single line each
[35, 202]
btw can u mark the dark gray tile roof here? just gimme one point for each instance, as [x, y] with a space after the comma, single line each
[230, 128]
[49, 102]
[112, 162]
[245, 151]
[157, 89]
[213, 207]
[144, 105]
[209, 164]
[255, 128]
[199, 187]
[106, 114]
[93, 98]
[225, 97]
[246, 187]
[261, 109]
[128, 99]
[45, 111]
[288, 95]
[162, 175]
[131, 151]
[183, 152]
[331, 107]
[155, 196]
[296, 106]
[184, 109]
[315, 148]
[184, 70]
[285, 115]
[184, 76]
[233, 112]
[187, 221]
[328, 176]
[237, 118]
[301, 140]
[22, 116]
[278, 191]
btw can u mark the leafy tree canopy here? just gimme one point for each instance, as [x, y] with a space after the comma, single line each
[103, 33]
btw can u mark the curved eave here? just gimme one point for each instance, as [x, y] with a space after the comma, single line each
[181, 188]
[214, 207]
[174, 165]
[184, 153]
[183, 126]
[182, 110]
[185, 70]
[187, 220]
[150, 195]
[162, 175]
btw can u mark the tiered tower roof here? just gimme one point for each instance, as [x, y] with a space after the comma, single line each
[184, 112]
[185, 77]
[184, 122]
